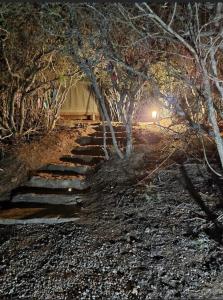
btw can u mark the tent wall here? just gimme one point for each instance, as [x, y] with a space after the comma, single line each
[80, 101]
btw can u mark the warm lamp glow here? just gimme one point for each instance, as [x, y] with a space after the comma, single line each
[154, 114]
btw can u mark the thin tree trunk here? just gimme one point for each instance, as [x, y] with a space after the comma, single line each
[129, 144]
[100, 98]
[104, 137]
[22, 114]
[212, 113]
[12, 111]
[104, 134]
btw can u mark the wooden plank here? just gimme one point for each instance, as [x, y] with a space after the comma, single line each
[91, 140]
[37, 221]
[88, 150]
[82, 170]
[82, 159]
[37, 181]
[48, 199]
[118, 134]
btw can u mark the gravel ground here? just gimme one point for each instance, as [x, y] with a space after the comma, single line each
[151, 242]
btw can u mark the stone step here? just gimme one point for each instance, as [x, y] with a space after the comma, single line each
[54, 199]
[82, 159]
[88, 150]
[66, 169]
[84, 140]
[108, 134]
[115, 127]
[46, 191]
[57, 183]
[88, 140]
[48, 220]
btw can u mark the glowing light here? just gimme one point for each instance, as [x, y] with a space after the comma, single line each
[70, 190]
[154, 114]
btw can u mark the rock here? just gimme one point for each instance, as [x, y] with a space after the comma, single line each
[132, 236]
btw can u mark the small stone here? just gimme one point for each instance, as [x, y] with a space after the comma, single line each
[132, 236]
[147, 230]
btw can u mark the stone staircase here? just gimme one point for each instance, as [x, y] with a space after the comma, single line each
[63, 184]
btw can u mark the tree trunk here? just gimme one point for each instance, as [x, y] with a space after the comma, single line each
[12, 111]
[212, 113]
[129, 145]
[104, 138]
[101, 99]
[86, 69]
[22, 114]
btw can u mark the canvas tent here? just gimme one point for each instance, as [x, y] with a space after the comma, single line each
[80, 103]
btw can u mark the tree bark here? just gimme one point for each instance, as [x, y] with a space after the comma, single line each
[212, 112]
[22, 114]
[12, 111]
[86, 69]
[101, 99]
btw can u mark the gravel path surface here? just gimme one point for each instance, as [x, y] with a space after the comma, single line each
[137, 243]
